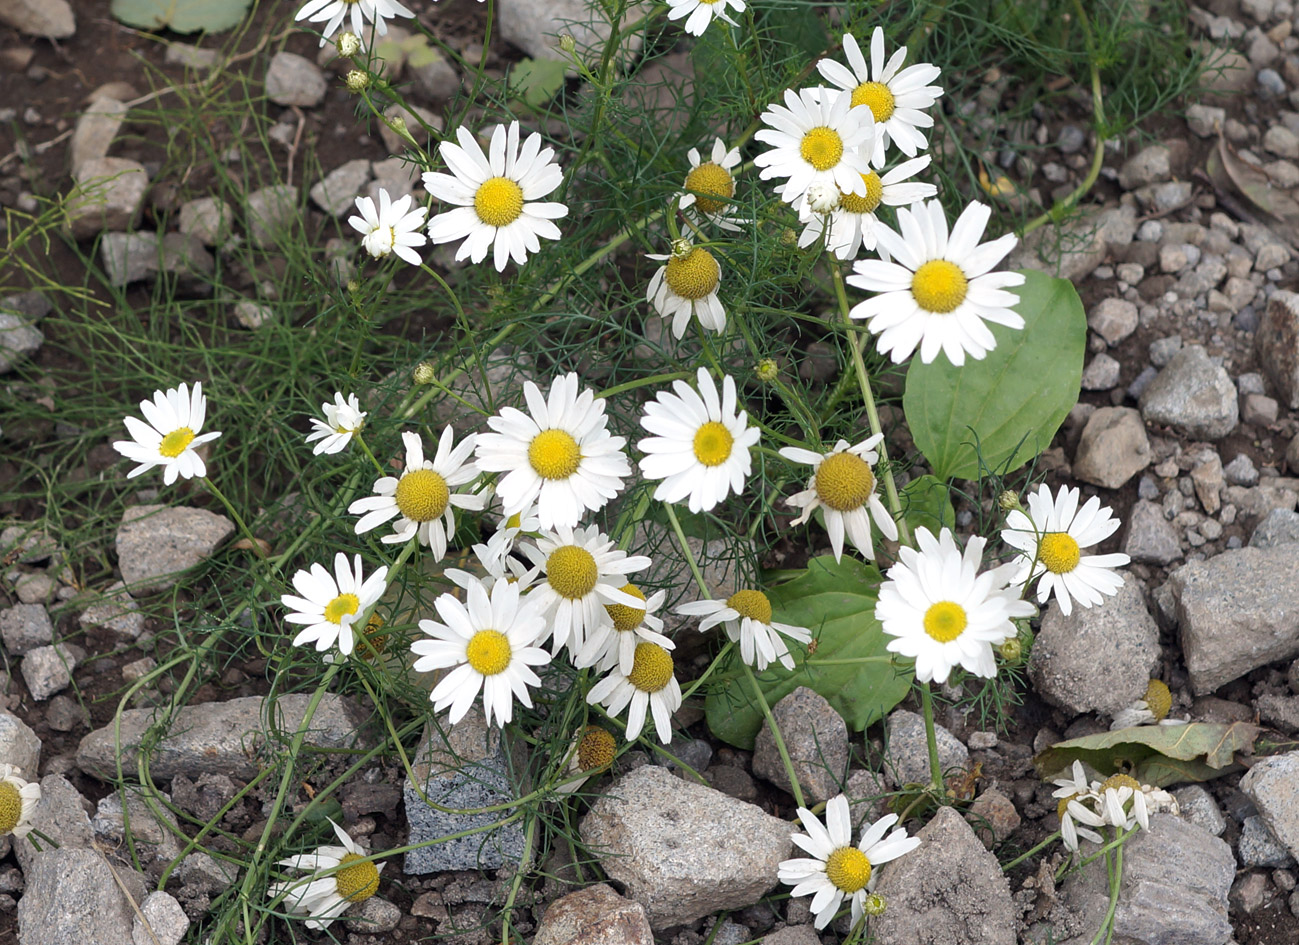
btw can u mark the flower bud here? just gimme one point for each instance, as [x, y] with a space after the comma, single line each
[566, 43]
[768, 370]
[1008, 500]
[788, 237]
[357, 81]
[348, 44]
[681, 247]
[423, 373]
[1012, 650]
[874, 904]
[822, 197]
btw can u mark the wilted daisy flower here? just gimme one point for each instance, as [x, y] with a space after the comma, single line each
[583, 570]
[893, 94]
[378, 11]
[817, 138]
[489, 641]
[393, 228]
[650, 685]
[710, 185]
[1151, 709]
[1050, 538]
[843, 486]
[590, 753]
[852, 217]
[421, 498]
[171, 437]
[497, 196]
[701, 13]
[18, 800]
[559, 455]
[939, 290]
[1076, 803]
[837, 870]
[331, 605]
[942, 613]
[700, 448]
[615, 642]
[343, 420]
[327, 898]
[686, 285]
[746, 617]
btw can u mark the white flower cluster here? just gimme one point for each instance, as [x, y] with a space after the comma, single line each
[1120, 801]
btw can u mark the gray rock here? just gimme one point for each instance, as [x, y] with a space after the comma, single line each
[1241, 471]
[536, 27]
[25, 627]
[1193, 395]
[399, 178]
[1281, 141]
[681, 849]
[208, 218]
[272, 212]
[1273, 785]
[336, 194]
[595, 915]
[1278, 527]
[161, 921]
[1147, 166]
[49, 19]
[191, 57]
[1207, 481]
[221, 737]
[1151, 538]
[63, 715]
[252, 315]
[108, 195]
[949, 890]
[294, 80]
[1236, 612]
[48, 669]
[461, 766]
[205, 874]
[1113, 448]
[129, 257]
[1259, 410]
[74, 895]
[155, 543]
[1102, 373]
[1226, 71]
[154, 831]
[1196, 804]
[792, 935]
[993, 817]
[19, 339]
[418, 121]
[506, 370]
[115, 610]
[908, 749]
[1073, 249]
[1280, 712]
[1098, 659]
[187, 259]
[19, 745]
[1205, 120]
[373, 916]
[35, 588]
[61, 816]
[1113, 319]
[1258, 846]
[95, 131]
[433, 76]
[1276, 345]
[817, 741]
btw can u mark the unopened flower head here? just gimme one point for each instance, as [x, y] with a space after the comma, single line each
[591, 752]
[699, 13]
[844, 487]
[335, 11]
[424, 373]
[710, 185]
[343, 420]
[393, 228]
[358, 80]
[348, 44]
[767, 370]
[172, 435]
[816, 138]
[822, 197]
[685, 286]
[651, 687]
[746, 616]
[326, 898]
[330, 605]
[852, 221]
[18, 800]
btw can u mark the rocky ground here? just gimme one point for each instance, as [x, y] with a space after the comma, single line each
[1187, 427]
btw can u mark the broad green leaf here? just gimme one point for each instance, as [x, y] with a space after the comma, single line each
[836, 601]
[181, 16]
[926, 503]
[1011, 402]
[1156, 754]
[537, 80]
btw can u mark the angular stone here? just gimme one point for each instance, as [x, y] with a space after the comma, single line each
[1207, 480]
[154, 834]
[1113, 448]
[25, 627]
[1236, 612]
[108, 195]
[74, 895]
[155, 543]
[1113, 319]
[272, 212]
[816, 739]
[1277, 527]
[1101, 373]
[35, 588]
[191, 57]
[1147, 166]
[95, 131]
[908, 748]
[115, 610]
[19, 336]
[129, 257]
[1151, 538]
[415, 117]
[1276, 345]
[1273, 785]
[1193, 395]
[1259, 847]
[19, 745]
[400, 179]
[1071, 250]
[536, 27]
[294, 80]
[684, 850]
[595, 915]
[336, 194]
[373, 916]
[1097, 659]
[161, 921]
[61, 816]
[1196, 804]
[185, 258]
[49, 19]
[993, 817]
[208, 218]
[48, 669]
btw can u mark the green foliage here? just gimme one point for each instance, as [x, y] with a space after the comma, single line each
[181, 16]
[1000, 412]
[851, 667]
[537, 80]
[1156, 754]
[926, 503]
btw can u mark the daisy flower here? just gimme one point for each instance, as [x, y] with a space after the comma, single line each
[421, 498]
[1075, 806]
[1050, 539]
[584, 570]
[590, 752]
[817, 138]
[702, 12]
[393, 228]
[489, 641]
[615, 642]
[746, 617]
[686, 285]
[893, 94]
[343, 420]
[851, 217]
[843, 486]
[1150, 709]
[837, 870]
[709, 187]
[942, 613]
[378, 11]
[559, 455]
[700, 448]
[650, 686]
[497, 196]
[18, 800]
[171, 437]
[329, 606]
[940, 290]
[354, 879]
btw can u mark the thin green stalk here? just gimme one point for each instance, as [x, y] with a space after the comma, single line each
[1007, 867]
[935, 765]
[1114, 868]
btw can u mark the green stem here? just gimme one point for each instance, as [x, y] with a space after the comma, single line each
[935, 766]
[1114, 867]
[234, 514]
[1007, 867]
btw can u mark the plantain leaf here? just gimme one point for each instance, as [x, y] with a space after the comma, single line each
[181, 16]
[537, 80]
[926, 503]
[1156, 754]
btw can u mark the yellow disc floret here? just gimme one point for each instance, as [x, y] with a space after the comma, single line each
[844, 481]
[11, 807]
[1158, 699]
[375, 640]
[554, 454]
[868, 202]
[499, 201]
[945, 621]
[1116, 781]
[694, 275]
[713, 443]
[357, 882]
[341, 606]
[848, 868]
[651, 668]
[596, 749]
[175, 442]
[572, 571]
[939, 286]
[1058, 552]
[1063, 806]
[488, 652]
[626, 617]
[422, 495]
[878, 97]
[752, 604]
[822, 148]
[714, 180]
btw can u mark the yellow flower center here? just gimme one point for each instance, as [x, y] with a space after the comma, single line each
[939, 286]
[595, 750]
[358, 882]
[625, 617]
[855, 203]
[488, 652]
[422, 495]
[651, 668]
[693, 276]
[878, 97]
[1064, 805]
[822, 148]
[554, 454]
[844, 481]
[175, 442]
[499, 201]
[848, 868]
[341, 606]
[751, 604]
[1058, 552]
[713, 443]
[572, 571]
[1117, 781]
[515, 520]
[377, 642]
[711, 179]
[11, 807]
[1158, 699]
[945, 621]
